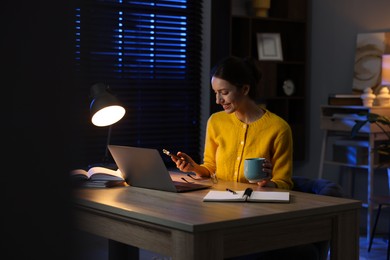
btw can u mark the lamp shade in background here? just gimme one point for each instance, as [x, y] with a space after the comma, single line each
[383, 97]
[105, 108]
[386, 69]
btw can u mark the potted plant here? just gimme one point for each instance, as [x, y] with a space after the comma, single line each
[383, 123]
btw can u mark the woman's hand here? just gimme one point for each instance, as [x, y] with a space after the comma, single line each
[267, 167]
[185, 164]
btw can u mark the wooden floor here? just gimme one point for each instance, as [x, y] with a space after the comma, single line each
[378, 249]
[95, 248]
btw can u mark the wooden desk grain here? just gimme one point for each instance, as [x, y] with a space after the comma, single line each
[181, 225]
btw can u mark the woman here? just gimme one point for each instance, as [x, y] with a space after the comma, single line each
[243, 130]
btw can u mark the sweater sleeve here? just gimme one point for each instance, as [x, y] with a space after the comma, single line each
[282, 160]
[210, 147]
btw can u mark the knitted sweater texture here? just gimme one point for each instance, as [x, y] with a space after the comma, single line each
[229, 142]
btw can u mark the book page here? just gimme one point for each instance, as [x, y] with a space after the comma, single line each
[217, 195]
[102, 173]
[270, 196]
[94, 184]
[79, 174]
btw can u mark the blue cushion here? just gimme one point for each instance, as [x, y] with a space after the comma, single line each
[317, 186]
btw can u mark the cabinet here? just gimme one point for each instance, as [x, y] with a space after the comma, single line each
[234, 32]
[358, 152]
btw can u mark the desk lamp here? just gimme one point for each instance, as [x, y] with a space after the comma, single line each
[386, 70]
[384, 97]
[105, 110]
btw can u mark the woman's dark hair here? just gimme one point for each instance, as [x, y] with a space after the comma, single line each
[239, 72]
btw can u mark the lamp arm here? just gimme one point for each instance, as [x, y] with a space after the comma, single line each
[108, 142]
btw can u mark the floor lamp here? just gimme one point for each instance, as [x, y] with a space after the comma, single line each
[105, 110]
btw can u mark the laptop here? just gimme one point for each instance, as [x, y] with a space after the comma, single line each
[144, 168]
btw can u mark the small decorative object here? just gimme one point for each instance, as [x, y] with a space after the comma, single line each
[368, 97]
[269, 46]
[261, 7]
[288, 87]
[383, 97]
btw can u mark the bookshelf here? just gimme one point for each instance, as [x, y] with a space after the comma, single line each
[234, 32]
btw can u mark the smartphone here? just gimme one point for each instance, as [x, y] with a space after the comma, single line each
[171, 154]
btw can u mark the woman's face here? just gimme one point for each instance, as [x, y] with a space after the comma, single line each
[228, 95]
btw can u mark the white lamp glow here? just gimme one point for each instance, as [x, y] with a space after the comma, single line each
[386, 69]
[105, 107]
[108, 115]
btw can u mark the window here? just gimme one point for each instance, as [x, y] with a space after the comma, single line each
[149, 53]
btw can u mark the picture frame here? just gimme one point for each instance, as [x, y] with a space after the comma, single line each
[269, 46]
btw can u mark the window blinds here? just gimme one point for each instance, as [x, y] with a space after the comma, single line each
[149, 53]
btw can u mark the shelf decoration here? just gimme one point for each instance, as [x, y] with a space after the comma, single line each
[288, 87]
[261, 7]
[368, 97]
[383, 98]
[269, 46]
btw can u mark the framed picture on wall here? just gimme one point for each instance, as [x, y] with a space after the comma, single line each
[269, 46]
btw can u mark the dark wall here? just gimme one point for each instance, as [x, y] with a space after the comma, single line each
[37, 46]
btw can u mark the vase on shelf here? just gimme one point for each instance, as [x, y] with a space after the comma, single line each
[383, 97]
[261, 7]
[368, 97]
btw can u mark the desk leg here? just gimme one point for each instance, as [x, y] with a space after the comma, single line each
[345, 238]
[323, 150]
[202, 246]
[120, 251]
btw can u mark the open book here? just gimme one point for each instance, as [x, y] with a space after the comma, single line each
[97, 176]
[247, 195]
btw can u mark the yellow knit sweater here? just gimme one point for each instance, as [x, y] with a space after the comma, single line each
[229, 141]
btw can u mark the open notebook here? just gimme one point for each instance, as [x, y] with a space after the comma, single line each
[144, 168]
[247, 195]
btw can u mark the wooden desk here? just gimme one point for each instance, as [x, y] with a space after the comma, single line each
[182, 226]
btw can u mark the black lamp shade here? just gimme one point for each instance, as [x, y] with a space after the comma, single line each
[105, 108]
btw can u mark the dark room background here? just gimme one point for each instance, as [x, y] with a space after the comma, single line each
[53, 52]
